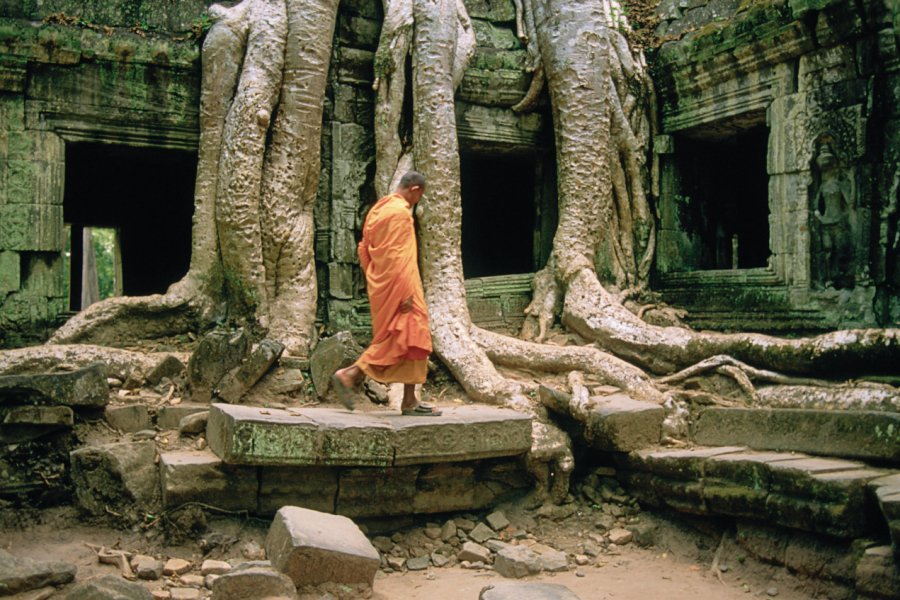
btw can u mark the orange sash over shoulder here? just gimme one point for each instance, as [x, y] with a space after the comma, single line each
[401, 342]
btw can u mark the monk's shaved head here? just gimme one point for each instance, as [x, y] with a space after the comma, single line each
[412, 179]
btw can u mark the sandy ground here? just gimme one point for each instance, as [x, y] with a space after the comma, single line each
[635, 573]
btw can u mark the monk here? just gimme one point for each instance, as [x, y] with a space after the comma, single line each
[401, 339]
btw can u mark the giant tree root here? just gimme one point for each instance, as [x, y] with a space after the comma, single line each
[51, 357]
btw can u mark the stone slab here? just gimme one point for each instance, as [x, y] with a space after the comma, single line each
[85, 387]
[121, 476]
[20, 574]
[621, 424]
[461, 433]
[45, 416]
[326, 436]
[200, 476]
[526, 591]
[253, 580]
[128, 417]
[312, 547]
[867, 435]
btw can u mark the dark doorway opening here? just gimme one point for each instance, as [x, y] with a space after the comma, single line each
[498, 213]
[147, 196]
[725, 186]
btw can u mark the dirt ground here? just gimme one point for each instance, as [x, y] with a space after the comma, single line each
[677, 567]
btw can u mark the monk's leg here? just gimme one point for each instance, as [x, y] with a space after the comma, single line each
[349, 376]
[409, 397]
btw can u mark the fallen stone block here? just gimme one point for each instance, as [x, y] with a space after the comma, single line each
[85, 387]
[128, 418]
[169, 368]
[497, 520]
[197, 476]
[239, 380]
[122, 477]
[331, 354]
[147, 567]
[109, 587]
[256, 580]
[516, 562]
[474, 552]
[22, 423]
[482, 533]
[526, 591]
[877, 575]
[312, 547]
[216, 354]
[193, 423]
[20, 574]
[867, 435]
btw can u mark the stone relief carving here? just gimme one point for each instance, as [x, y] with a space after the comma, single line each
[834, 218]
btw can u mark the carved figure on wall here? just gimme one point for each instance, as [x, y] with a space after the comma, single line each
[834, 210]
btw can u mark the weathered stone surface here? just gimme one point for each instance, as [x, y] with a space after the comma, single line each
[526, 591]
[497, 520]
[216, 354]
[314, 488]
[20, 423]
[168, 417]
[238, 381]
[128, 418]
[214, 567]
[18, 574]
[109, 587]
[877, 574]
[312, 547]
[177, 566]
[122, 477]
[482, 533]
[393, 487]
[85, 387]
[34, 227]
[10, 272]
[253, 581]
[516, 562]
[418, 563]
[868, 435]
[621, 424]
[203, 477]
[326, 436]
[467, 433]
[147, 567]
[331, 354]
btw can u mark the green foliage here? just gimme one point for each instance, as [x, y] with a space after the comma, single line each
[105, 255]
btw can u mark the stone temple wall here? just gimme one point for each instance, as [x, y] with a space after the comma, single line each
[128, 72]
[819, 79]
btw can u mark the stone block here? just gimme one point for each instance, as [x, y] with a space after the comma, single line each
[189, 476]
[216, 354]
[128, 418]
[253, 580]
[516, 562]
[314, 488]
[621, 424]
[10, 272]
[122, 477]
[877, 574]
[245, 435]
[34, 227]
[169, 416]
[472, 433]
[20, 574]
[676, 464]
[526, 591]
[85, 387]
[168, 368]
[352, 438]
[867, 435]
[238, 381]
[498, 12]
[474, 552]
[331, 354]
[445, 488]
[312, 547]
[377, 492]
[23, 423]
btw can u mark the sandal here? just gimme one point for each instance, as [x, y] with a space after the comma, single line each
[422, 410]
[344, 394]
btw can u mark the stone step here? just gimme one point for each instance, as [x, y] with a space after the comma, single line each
[856, 434]
[797, 491]
[248, 435]
[201, 476]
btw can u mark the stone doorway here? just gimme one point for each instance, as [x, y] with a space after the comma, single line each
[146, 195]
[501, 213]
[724, 191]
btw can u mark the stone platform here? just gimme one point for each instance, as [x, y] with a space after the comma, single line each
[358, 464]
[247, 435]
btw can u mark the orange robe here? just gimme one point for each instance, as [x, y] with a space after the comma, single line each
[401, 342]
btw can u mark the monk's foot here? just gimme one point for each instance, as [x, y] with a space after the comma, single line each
[343, 387]
[420, 410]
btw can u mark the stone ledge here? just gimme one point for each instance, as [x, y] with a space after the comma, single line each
[334, 437]
[848, 434]
[793, 490]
